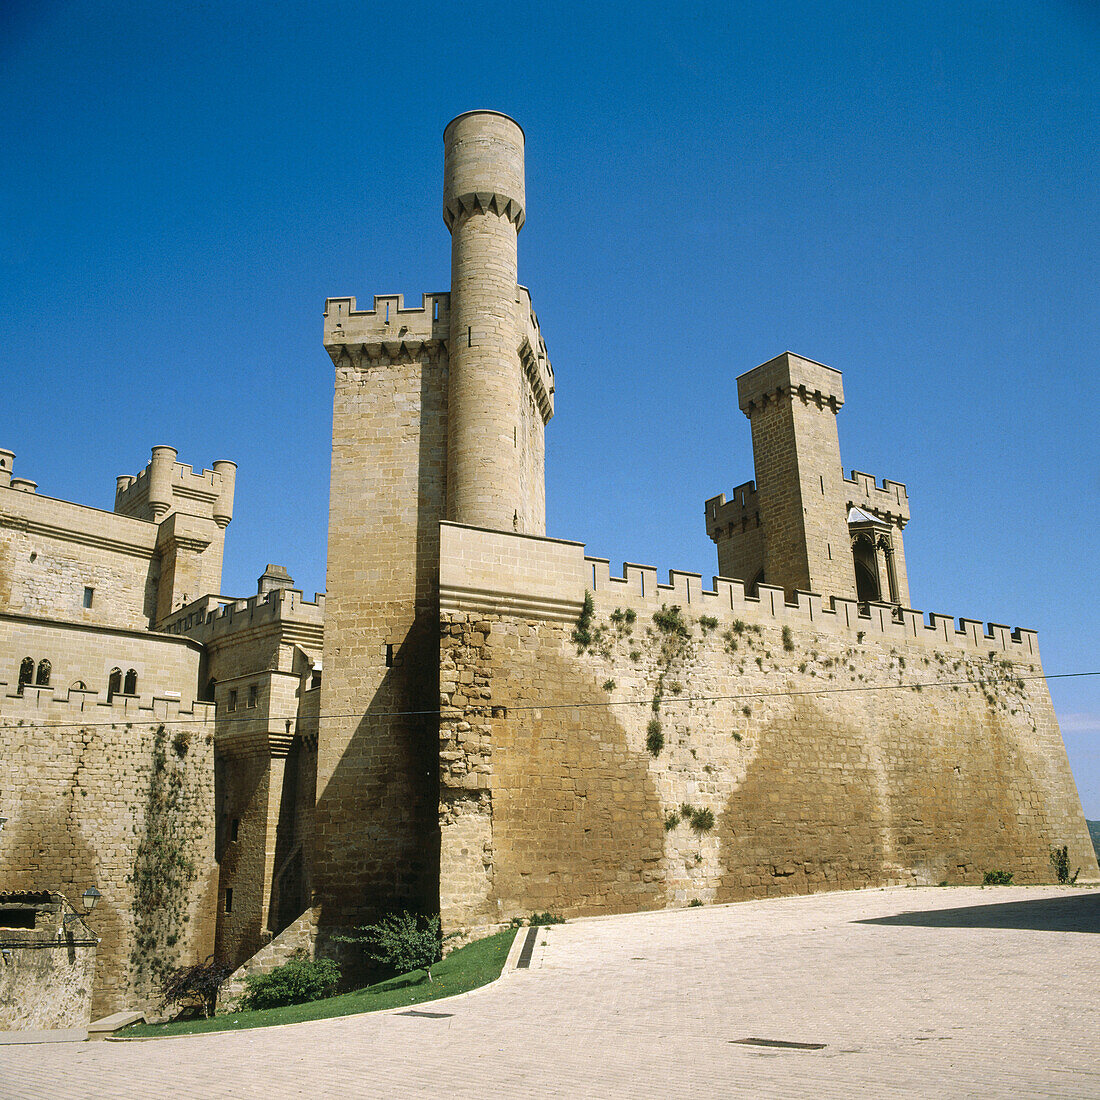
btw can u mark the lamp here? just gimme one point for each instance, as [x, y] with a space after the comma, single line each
[90, 898]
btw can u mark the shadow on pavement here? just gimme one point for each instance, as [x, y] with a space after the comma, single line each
[1072, 913]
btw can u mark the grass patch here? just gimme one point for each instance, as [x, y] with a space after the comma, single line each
[471, 966]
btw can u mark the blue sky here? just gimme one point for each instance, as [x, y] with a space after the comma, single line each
[909, 193]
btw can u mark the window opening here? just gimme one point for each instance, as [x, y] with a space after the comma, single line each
[229, 900]
[435, 310]
[253, 696]
[389, 655]
[114, 683]
[43, 678]
[26, 674]
[88, 594]
[235, 828]
[232, 703]
[131, 682]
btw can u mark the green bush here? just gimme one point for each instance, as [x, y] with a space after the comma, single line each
[788, 639]
[582, 632]
[997, 878]
[401, 942]
[702, 821]
[538, 919]
[654, 738]
[1059, 860]
[669, 620]
[293, 983]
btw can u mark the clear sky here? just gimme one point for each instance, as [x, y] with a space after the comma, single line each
[907, 192]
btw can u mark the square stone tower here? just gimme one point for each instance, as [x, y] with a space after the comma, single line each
[439, 413]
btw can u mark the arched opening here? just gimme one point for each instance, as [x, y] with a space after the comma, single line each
[866, 561]
[753, 587]
[78, 685]
[114, 683]
[26, 674]
[211, 687]
[43, 677]
[131, 683]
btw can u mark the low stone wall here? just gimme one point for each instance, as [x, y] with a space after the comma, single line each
[296, 940]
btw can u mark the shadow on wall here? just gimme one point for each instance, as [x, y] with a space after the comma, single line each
[1075, 913]
[577, 821]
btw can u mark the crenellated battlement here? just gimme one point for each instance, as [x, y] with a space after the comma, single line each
[50, 705]
[741, 509]
[216, 616]
[533, 354]
[166, 486]
[389, 328]
[529, 576]
[889, 501]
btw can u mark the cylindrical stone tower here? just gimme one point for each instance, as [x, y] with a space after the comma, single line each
[483, 200]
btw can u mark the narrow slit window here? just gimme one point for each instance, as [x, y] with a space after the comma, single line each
[235, 828]
[232, 702]
[389, 655]
[229, 899]
[89, 595]
[253, 696]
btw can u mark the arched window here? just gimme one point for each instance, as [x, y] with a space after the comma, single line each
[753, 588]
[26, 674]
[211, 687]
[131, 682]
[866, 563]
[114, 683]
[78, 685]
[43, 679]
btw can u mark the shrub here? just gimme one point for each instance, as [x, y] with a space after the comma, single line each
[702, 821]
[197, 986]
[671, 821]
[401, 942]
[609, 685]
[293, 983]
[582, 632]
[694, 903]
[654, 738]
[788, 639]
[669, 620]
[997, 878]
[539, 919]
[1059, 860]
[708, 623]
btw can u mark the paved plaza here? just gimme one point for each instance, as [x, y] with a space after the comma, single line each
[911, 992]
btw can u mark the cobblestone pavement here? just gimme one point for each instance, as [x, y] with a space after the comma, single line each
[914, 992]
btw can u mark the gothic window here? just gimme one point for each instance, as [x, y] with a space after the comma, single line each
[866, 563]
[26, 673]
[114, 683]
[131, 682]
[43, 678]
[211, 687]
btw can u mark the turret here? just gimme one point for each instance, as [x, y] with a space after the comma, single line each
[226, 471]
[161, 471]
[483, 206]
[7, 461]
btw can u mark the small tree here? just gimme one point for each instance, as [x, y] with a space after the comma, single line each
[197, 986]
[401, 942]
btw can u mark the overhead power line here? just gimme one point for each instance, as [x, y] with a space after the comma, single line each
[525, 707]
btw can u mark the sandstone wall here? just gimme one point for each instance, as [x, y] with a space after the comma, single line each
[376, 828]
[120, 798]
[735, 748]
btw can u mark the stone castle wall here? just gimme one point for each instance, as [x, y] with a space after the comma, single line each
[119, 797]
[746, 747]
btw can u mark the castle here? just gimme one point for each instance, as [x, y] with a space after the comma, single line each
[479, 719]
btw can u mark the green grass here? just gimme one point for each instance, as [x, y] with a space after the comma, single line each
[467, 968]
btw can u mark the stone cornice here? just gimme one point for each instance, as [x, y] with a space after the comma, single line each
[483, 202]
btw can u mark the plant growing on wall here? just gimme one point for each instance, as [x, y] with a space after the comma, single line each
[163, 868]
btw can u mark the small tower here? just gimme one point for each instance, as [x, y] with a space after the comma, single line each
[792, 404]
[483, 206]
